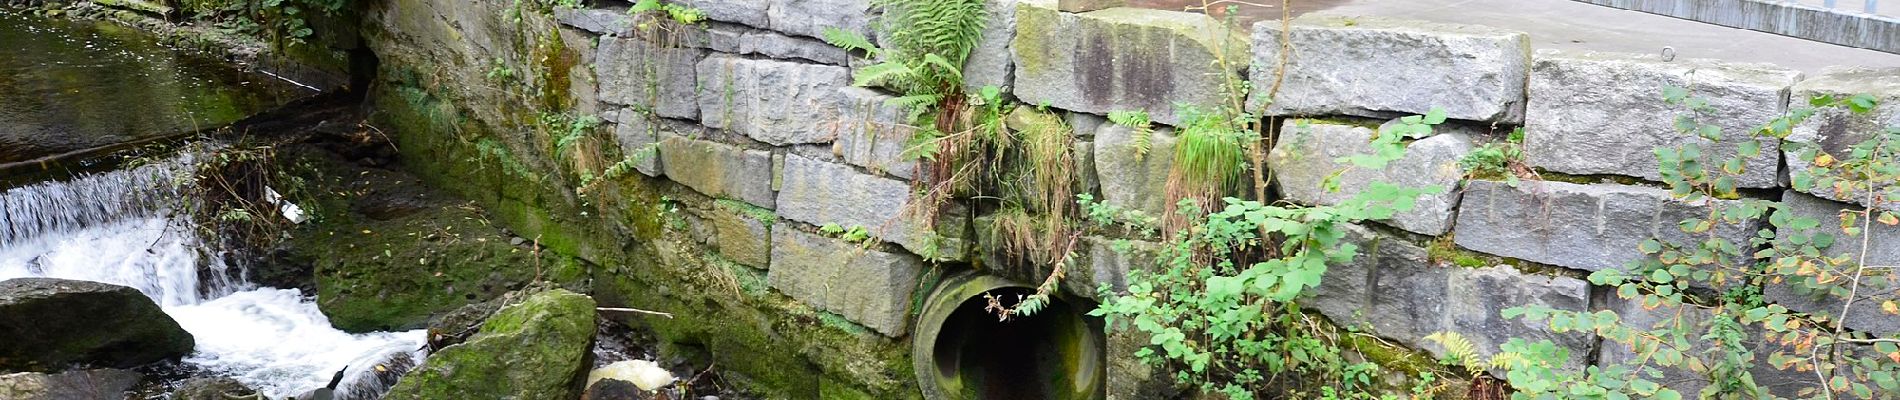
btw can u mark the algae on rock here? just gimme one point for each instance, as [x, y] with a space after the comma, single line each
[536, 349]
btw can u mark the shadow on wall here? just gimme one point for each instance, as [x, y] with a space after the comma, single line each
[1246, 12]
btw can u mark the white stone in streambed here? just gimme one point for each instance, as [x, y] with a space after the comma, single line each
[646, 375]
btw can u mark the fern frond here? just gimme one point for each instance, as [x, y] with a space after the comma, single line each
[1460, 349]
[1139, 120]
[883, 72]
[850, 41]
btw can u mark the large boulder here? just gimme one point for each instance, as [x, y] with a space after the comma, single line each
[70, 385]
[1378, 67]
[213, 388]
[1604, 113]
[535, 349]
[50, 324]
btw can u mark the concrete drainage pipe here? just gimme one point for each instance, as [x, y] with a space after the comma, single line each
[962, 352]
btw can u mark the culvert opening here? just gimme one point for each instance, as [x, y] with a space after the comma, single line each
[963, 351]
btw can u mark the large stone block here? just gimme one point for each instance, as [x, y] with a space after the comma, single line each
[872, 133]
[744, 12]
[1834, 131]
[598, 21]
[868, 286]
[989, 63]
[810, 17]
[1480, 296]
[1308, 151]
[635, 72]
[1109, 261]
[769, 44]
[818, 193]
[1590, 227]
[1808, 295]
[1123, 59]
[1379, 67]
[1393, 290]
[776, 102]
[1603, 113]
[719, 170]
[742, 233]
[639, 137]
[1130, 179]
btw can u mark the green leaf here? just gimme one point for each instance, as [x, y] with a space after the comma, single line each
[1435, 116]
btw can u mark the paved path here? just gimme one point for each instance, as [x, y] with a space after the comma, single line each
[1569, 25]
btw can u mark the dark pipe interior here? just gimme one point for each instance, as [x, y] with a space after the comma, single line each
[1023, 358]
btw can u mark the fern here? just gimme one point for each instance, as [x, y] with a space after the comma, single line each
[1461, 352]
[849, 41]
[1140, 122]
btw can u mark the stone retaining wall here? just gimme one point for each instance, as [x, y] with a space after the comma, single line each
[751, 109]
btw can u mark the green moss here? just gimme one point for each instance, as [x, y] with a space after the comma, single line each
[532, 350]
[1443, 250]
[839, 322]
[743, 208]
[1391, 356]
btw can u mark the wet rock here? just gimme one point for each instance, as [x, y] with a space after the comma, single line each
[719, 170]
[50, 324]
[614, 389]
[1589, 227]
[1603, 113]
[1129, 178]
[70, 385]
[647, 75]
[1076, 6]
[214, 388]
[532, 350]
[1122, 59]
[1308, 151]
[1348, 66]
[777, 102]
[867, 286]
[1835, 131]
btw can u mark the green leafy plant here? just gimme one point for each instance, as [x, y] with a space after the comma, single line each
[928, 42]
[1498, 160]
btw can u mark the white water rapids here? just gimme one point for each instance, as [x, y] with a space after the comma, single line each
[114, 227]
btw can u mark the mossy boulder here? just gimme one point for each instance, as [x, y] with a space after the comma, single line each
[51, 324]
[535, 349]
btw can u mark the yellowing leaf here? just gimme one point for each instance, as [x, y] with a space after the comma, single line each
[1823, 160]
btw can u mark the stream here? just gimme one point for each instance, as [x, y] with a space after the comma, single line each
[67, 85]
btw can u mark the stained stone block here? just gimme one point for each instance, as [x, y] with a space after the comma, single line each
[598, 21]
[1604, 113]
[1380, 67]
[1479, 297]
[719, 170]
[741, 236]
[809, 18]
[769, 44]
[777, 102]
[867, 286]
[1590, 227]
[1308, 151]
[989, 63]
[1122, 59]
[744, 12]
[639, 138]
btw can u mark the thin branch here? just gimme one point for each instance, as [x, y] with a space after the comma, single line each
[634, 310]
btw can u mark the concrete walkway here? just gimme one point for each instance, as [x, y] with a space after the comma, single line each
[1573, 26]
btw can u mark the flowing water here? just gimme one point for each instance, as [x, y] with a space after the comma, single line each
[66, 85]
[114, 227]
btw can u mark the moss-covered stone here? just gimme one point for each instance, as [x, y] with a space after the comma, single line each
[532, 350]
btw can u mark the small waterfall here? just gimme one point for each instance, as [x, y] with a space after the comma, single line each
[117, 227]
